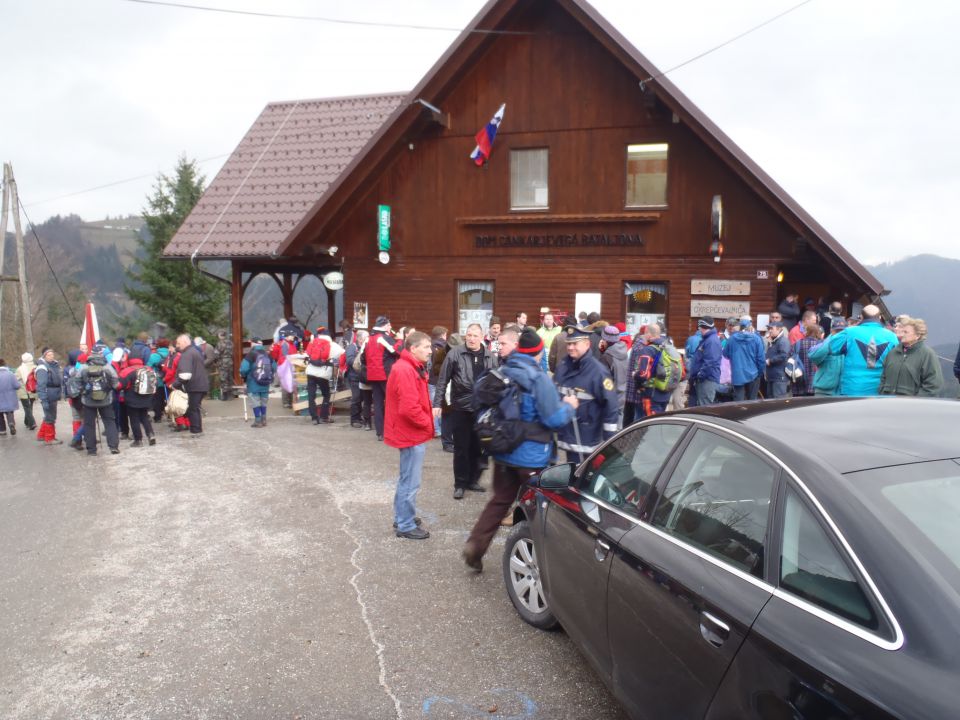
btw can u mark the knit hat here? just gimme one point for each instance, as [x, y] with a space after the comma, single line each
[530, 342]
[610, 334]
[45, 351]
[321, 329]
[705, 322]
[26, 357]
[382, 320]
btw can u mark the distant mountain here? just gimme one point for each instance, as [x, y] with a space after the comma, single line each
[925, 286]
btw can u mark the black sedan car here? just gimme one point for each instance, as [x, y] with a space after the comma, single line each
[777, 559]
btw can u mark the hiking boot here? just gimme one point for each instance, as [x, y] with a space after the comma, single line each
[137, 443]
[458, 493]
[124, 436]
[415, 534]
[54, 441]
[152, 440]
[77, 444]
[471, 559]
[476, 487]
[13, 429]
[417, 520]
[114, 451]
[326, 420]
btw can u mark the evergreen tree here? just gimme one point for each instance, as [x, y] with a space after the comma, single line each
[173, 291]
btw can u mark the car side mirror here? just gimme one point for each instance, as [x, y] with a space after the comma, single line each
[557, 477]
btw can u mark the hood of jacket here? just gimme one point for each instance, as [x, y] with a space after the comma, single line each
[618, 351]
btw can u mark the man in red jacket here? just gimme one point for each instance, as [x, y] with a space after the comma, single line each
[408, 426]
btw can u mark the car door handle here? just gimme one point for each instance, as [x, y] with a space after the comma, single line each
[601, 549]
[713, 630]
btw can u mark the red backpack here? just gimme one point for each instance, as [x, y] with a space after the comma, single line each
[319, 351]
[31, 384]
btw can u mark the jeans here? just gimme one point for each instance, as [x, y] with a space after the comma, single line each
[747, 391]
[706, 392]
[436, 420]
[777, 388]
[405, 498]
[28, 420]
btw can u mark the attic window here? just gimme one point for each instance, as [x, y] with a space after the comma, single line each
[647, 175]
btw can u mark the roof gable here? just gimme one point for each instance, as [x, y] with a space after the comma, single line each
[279, 171]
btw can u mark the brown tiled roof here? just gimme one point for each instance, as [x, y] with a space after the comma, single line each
[281, 168]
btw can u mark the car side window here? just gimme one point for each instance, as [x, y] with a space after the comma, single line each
[625, 470]
[718, 499]
[812, 568]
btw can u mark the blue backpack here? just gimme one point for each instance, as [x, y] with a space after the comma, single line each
[262, 369]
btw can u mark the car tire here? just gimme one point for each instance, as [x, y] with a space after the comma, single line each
[521, 574]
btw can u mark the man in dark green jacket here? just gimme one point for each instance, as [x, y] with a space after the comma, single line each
[911, 368]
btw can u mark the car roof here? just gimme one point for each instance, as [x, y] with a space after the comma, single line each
[848, 434]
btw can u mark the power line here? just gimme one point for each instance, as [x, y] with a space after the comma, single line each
[335, 21]
[33, 229]
[725, 43]
[115, 183]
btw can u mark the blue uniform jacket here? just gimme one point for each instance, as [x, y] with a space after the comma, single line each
[599, 411]
[705, 364]
[746, 354]
[539, 402]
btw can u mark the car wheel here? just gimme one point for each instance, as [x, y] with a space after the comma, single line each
[521, 574]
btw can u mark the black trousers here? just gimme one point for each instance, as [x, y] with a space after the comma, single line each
[379, 399]
[194, 399]
[466, 449]
[140, 418]
[312, 384]
[356, 403]
[159, 402]
[109, 427]
[28, 420]
[6, 418]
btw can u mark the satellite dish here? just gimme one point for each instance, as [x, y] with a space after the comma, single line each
[716, 219]
[384, 258]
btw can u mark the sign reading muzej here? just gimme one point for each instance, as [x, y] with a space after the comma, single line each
[700, 307]
[719, 287]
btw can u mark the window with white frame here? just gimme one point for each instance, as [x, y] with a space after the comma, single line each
[529, 172]
[474, 303]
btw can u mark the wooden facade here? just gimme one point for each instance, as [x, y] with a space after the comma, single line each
[567, 92]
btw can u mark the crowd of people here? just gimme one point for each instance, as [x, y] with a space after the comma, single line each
[515, 393]
[113, 393]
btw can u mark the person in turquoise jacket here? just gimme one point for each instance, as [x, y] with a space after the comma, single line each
[864, 348]
[258, 392]
[826, 381]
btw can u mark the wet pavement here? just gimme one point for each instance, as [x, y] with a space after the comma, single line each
[255, 574]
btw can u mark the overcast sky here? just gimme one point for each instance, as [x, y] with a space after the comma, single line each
[853, 106]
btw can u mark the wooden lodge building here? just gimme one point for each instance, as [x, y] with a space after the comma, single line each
[601, 187]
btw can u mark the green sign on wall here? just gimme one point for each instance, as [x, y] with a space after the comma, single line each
[383, 227]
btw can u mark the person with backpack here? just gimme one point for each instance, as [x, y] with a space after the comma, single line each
[461, 369]
[100, 383]
[408, 426]
[141, 348]
[25, 394]
[582, 376]
[49, 379]
[323, 357]
[360, 400]
[614, 354]
[380, 355]
[72, 390]
[8, 399]
[138, 383]
[280, 351]
[158, 361]
[658, 373]
[539, 405]
[257, 370]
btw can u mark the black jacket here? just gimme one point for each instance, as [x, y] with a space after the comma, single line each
[456, 370]
[191, 361]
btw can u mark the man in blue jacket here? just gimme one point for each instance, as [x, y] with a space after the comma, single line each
[745, 351]
[705, 363]
[584, 377]
[539, 403]
[864, 348]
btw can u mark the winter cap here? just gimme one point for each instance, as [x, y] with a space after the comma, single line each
[744, 322]
[530, 342]
[382, 320]
[117, 355]
[321, 329]
[45, 351]
[27, 358]
[838, 323]
[621, 326]
[610, 334]
[705, 322]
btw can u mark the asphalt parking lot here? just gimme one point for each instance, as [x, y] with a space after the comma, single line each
[255, 574]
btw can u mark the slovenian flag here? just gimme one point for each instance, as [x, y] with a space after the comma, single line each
[481, 153]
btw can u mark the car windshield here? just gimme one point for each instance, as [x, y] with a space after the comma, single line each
[920, 504]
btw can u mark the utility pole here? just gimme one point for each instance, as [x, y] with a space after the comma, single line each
[3, 244]
[12, 201]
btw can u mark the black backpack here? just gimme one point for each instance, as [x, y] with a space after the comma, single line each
[97, 385]
[498, 423]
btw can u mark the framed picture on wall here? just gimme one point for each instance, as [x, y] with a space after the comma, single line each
[360, 315]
